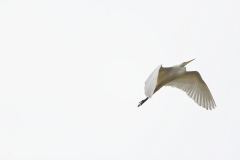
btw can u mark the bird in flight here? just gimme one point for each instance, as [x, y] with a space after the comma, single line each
[190, 82]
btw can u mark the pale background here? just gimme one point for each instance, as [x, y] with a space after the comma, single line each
[72, 74]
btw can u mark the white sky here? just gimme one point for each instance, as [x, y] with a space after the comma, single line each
[72, 74]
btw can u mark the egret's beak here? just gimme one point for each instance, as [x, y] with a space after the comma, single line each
[188, 62]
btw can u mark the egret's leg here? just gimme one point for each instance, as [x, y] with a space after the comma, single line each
[140, 103]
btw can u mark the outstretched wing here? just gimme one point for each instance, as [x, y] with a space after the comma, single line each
[151, 82]
[193, 84]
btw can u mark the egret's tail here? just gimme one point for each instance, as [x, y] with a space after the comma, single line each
[140, 103]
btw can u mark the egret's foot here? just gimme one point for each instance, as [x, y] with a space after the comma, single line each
[141, 102]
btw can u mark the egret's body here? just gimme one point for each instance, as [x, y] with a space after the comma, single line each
[177, 76]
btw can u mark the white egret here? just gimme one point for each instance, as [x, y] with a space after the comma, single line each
[190, 82]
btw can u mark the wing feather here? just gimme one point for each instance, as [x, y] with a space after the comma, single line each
[204, 99]
[194, 86]
[151, 82]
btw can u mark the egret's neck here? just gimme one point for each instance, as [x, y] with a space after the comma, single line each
[178, 70]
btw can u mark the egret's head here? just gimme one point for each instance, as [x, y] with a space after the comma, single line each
[185, 63]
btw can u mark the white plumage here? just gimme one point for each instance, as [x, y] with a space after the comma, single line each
[151, 82]
[190, 82]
